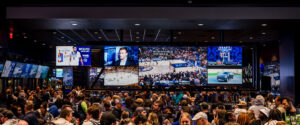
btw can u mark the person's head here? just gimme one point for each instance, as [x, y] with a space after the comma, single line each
[123, 53]
[157, 105]
[7, 114]
[43, 107]
[74, 49]
[129, 102]
[243, 119]
[275, 114]
[93, 112]
[139, 102]
[106, 105]
[66, 114]
[19, 111]
[22, 122]
[185, 119]
[230, 117]
[242, 105]
[286, 102]
[259, 100]
[278, 100]
[118, 103]
[140, 120]
[140, 111]
[29, 107]
[200, 118]
[204, 106]
[108, 118]
[66, 106]
[281, 123]
[125, 115]
[153, 118]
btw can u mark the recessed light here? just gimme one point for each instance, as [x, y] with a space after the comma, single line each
[179, 33]
[137, 24]
[69, 41]
[62, 37]
[74, 24]
[96, 32]
[250, 37]
[174, 37]
[24, 33]
[263, 33]
[212, 37]
[137, 37]
[264, 45]
[241, 41]
[137, 41]
[44, 44]
[264, 25]
[205, 41]
[200, 24]
[35, 41]
[54, 33]
[137, 32]
[99, 37]
[190, 1]
[25, 37]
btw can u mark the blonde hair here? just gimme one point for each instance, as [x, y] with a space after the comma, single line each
[152, 119]
[187, 115]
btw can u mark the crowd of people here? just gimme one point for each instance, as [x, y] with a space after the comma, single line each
[81, 107]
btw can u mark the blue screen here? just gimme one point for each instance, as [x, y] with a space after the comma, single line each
[224, 56]
[18, 70]
[112, 55]
[26, 70]
[8, 69]
[44, 72]
[33, 71]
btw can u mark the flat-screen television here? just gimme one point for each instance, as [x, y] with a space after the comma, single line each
[18, 70]
[225, 76]
[121, 75]
[167, 66]
[73, 55]
[8, 68]
[39, 72]
[93, 73]
[59, 72]
[68, 76]
[26, 71]
[1, 68]
[33, 71]
[224, 56]
[121, 55]
[44, 72]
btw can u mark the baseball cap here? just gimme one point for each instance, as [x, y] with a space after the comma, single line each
[200, 115]
[242, 103]
[265, 111]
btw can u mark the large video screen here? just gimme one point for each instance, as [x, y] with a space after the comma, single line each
[8, 68]
[94, 72]
[121, 75]
[44, 72]
[18, 70]
[68, 76]
[33, 71]
[224, 56]
[166, 66]
[26, 71]
[120, 56]
[73, 55]
[59, 72]
[1, 68]
[225, 76]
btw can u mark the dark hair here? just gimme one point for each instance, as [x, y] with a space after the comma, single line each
[106, 104]
[7, 113]
[275, 114]
[128, 102]
[124, 48]
[29, 106]
[94, 111]
[204, 106]
[160, 104]
[64, 113]
[44, 104]
[279, 98]
[65, 106]
[140, 118]
[147, 103]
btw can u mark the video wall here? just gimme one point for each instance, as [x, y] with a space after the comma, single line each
[73, 55]
[14, 69]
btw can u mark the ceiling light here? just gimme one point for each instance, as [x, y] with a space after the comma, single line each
[96, 32]
[250, 37]
[62, 37]
[99, 37]
[25, 37]
[179, 33]
[137, 32]
[35, 41]
[263, 33]
[200, 24]
[137, 24]
[54, 33]
[44, 44]
[212, 37]
[137, 37]
[174, 37]
[137, 41]
[241, 41]
[74, 24]
[24, 33]
[264, 45]
[205, 41]
[69, 41]
[190, 1]
[264, 25]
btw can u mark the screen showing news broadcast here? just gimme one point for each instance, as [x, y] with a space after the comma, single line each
[167, 66]
[121, 76]
[225, 76]
[224, 56]
[73, 55]
[120, 55]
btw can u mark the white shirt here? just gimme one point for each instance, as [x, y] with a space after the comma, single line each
[123, 62]
[75, 58]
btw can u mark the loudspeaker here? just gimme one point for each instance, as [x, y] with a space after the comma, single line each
[266, 83]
